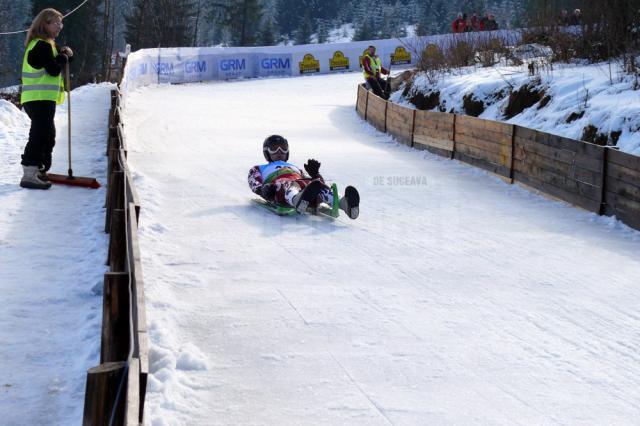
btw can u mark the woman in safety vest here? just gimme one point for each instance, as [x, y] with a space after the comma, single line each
[42, 90]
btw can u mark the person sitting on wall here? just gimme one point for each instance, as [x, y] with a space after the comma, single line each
[563, 20]
[372, 69]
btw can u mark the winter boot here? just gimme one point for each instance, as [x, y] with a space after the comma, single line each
[31, 180]
[350, 202]
[42, 174]
[310, 193]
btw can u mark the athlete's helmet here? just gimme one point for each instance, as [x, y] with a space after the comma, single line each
[273, 144]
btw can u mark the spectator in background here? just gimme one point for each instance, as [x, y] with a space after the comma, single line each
[490, 23]
[458, 24]
[563, 20]
[468, 26]
[576, 18]
[476, 22]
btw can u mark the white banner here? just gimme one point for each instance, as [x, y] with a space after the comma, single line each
[191, 64]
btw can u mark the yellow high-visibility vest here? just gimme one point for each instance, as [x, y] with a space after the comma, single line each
[376, 66]
[37, 84]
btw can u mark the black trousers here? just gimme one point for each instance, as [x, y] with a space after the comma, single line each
[42, 135]
[378, 85]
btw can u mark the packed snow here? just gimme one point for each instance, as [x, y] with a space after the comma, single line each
[604, 96]
[454, 298]
[53, 250]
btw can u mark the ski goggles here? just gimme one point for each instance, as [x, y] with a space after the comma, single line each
[282, 148]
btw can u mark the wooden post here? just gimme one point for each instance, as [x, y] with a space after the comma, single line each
[386, 108]
[100, 394]
[366, 105]
[453, 151]
[413, 128]
[513, 144]
[116, 197]
[117, 242]
[115, 317]
[603, 183]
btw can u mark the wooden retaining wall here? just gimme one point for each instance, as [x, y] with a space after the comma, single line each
[121, 378]
[599, 179]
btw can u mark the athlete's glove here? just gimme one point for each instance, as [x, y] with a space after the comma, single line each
[268, 191]
[312, 167]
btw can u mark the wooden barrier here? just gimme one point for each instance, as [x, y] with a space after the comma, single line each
[622, 188]
[434, 131]
[567, 169]
[596, 178]
[399, 122]
[124, 358]
[485, 144]
[377, 112]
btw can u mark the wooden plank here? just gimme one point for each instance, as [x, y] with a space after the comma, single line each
[140, 315]
[467, 121]
[481, 163]
[588, 150]
[559, 167]
[623, 189]
[523, 146]
[376, 112]
[560, 193]
[444, 144]
[361, 104]
[617, 171]
[132, 410]
[499, 138]
[561, 181]
[503, 151]
[480, 153]
[624, 159]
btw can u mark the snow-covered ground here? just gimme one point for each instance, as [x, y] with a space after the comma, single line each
[454, 298]
[603, 94]
[52, 254]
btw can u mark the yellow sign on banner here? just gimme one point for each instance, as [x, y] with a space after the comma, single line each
[364, 52]
[400, 56]
[309, 64]
[338, 62]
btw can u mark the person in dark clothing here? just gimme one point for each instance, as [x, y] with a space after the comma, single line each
[42, 90]
[490, 23]
[576, 18]
[563, 20]
[476, 22]
[372, 69]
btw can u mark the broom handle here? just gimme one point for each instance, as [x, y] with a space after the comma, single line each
[68, 84]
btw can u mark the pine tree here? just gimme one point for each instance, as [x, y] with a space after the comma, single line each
[304, 31]
[323, 32]
[165, 23]
[267, 33]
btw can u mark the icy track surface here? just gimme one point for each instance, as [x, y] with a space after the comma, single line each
[454, 298]
[52, 254]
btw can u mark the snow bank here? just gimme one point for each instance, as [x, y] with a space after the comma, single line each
[53, 249]
[603, 97]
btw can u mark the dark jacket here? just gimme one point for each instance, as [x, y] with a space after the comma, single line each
[41, 56]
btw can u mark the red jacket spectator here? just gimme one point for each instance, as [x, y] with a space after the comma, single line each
[458, 24]
[476, 23]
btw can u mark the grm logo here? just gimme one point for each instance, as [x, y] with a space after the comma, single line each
[163, 68]
[275, 63]
[192, 67]
[232, 64]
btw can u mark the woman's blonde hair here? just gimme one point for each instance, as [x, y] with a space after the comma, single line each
[37, 29]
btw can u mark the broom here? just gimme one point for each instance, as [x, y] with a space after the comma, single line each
[70, 179]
